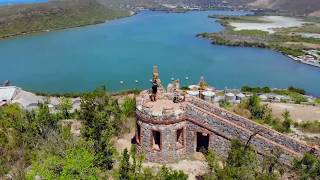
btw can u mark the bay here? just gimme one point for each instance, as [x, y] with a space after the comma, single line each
[81, 59]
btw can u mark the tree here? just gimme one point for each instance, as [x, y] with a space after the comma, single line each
[44, 120]
[100, 114]
[224, 103]
[128, 108]
[77, 163]
[21, 132]
[12, 127]
[104, 149]
[213, 164]
[297, 90]
[242, 163]
[169, 174]
[124, 165]
[287, 121]
[257, 110]
[133, 153]
[65, 106]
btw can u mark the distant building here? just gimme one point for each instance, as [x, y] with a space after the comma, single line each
[240, 96]
[230, 97]
[208, 96]
[263, 97]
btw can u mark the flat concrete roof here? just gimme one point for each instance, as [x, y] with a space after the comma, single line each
[158, 106]
[7, 93]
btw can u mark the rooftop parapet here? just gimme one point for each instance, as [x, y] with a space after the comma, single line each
[162, 109]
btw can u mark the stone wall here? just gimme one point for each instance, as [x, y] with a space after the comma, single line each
[229, 131]
[266, 132]
[219, 144]
[169, 150]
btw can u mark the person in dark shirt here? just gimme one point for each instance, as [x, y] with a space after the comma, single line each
[154, 91]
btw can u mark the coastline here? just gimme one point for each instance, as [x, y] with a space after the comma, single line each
[303, 62]
[218, 39]
[62, 28]
[130, 13]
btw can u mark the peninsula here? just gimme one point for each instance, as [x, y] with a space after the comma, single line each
[297, 37]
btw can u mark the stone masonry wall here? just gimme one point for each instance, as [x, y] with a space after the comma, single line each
[169, 150]
[268, 133]
[229, 131]
[219, 144]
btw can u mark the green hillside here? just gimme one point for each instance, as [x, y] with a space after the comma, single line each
[16, 20]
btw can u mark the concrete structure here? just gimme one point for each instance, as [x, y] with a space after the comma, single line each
[167, 131]
[263, 97]
[230, 97]
[240, 96]
[8, 93]
[208, 96]
[193, 93]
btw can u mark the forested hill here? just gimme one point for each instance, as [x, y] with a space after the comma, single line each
[28, 18]
[59, 14]
[301, 7]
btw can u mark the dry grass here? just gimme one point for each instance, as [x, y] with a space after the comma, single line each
[298, 112]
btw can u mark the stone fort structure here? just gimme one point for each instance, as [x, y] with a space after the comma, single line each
[168, 130]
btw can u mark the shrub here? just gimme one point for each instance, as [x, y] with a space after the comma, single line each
[317, 101]
[256, 89]
[309, 126]
[307, 167]
[297, 90]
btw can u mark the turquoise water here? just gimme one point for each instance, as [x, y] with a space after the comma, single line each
[81, 59]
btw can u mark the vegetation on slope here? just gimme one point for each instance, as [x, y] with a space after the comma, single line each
[309, 126]
[132, 170]
[34, 143]
[242, 162]
[21, 19]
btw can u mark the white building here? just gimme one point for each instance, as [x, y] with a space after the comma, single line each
[208, 96]
[193, 93]
[230, 97]
[8, 93]
[240, 96]
[263, 97]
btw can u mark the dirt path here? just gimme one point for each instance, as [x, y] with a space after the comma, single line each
[124, 141]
